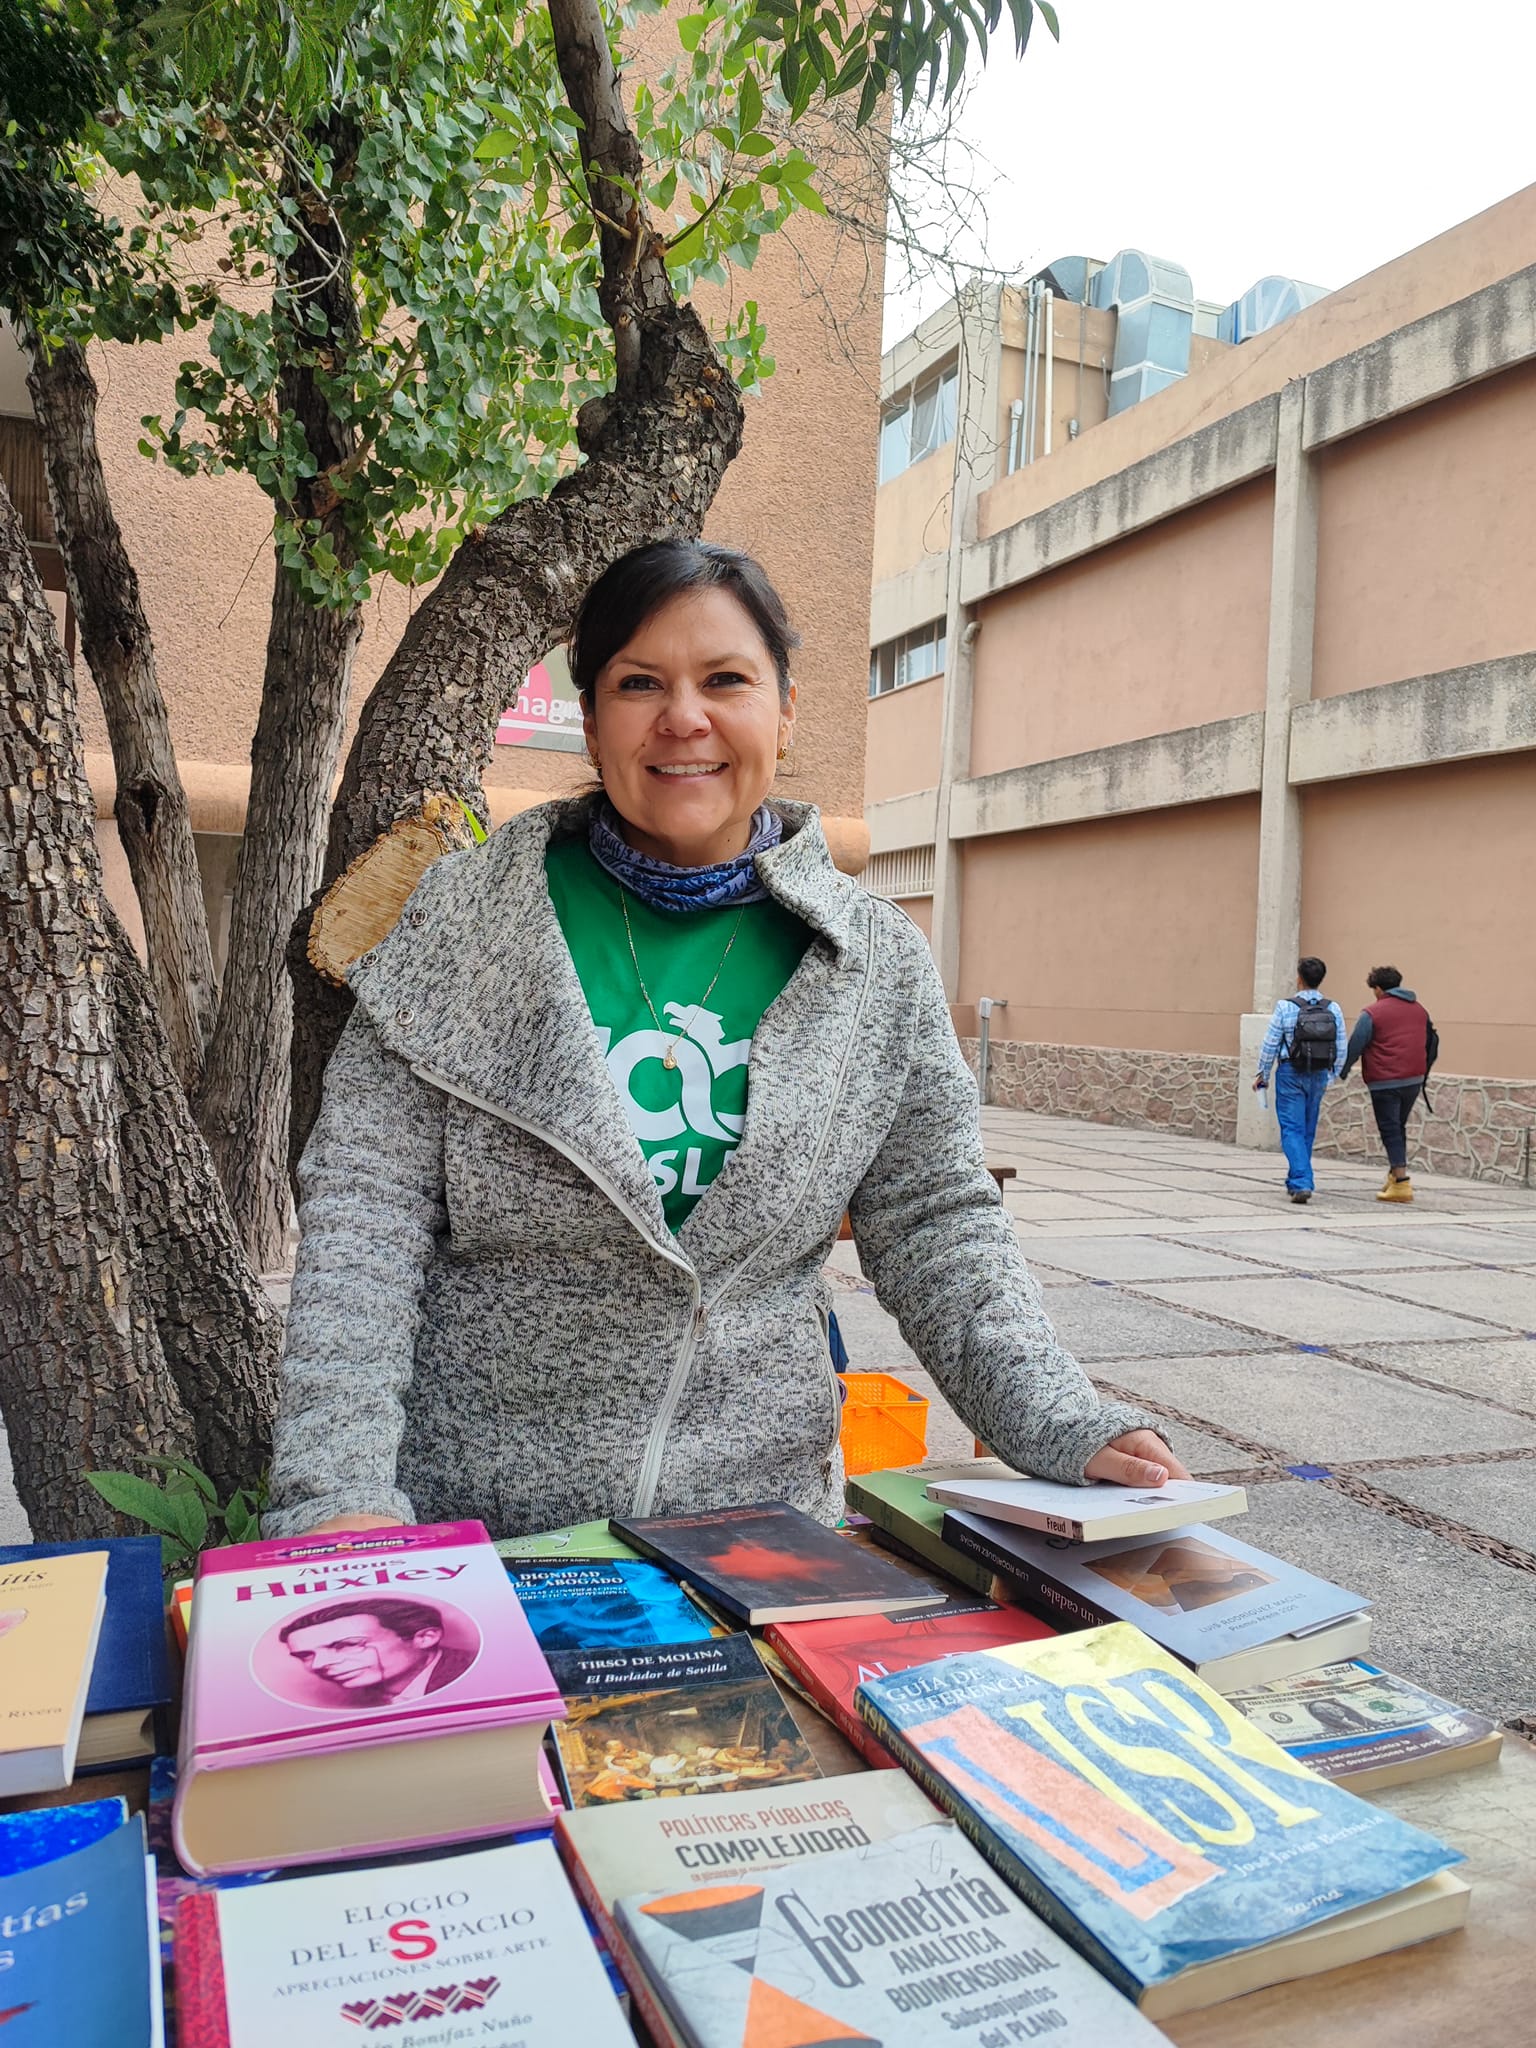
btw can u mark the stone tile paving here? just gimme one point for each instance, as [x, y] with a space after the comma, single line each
[1416, 1401]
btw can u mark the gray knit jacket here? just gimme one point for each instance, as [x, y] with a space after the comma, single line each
[490, 1317]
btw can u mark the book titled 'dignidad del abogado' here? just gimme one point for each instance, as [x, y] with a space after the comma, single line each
[357, 1693]
[1187, 1856]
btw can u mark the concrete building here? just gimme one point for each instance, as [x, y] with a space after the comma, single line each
[1241, 663]
[799, 497]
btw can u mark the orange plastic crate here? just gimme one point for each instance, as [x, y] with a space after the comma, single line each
[884, 1423]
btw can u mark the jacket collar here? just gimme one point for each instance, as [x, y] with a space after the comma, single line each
[475, 987]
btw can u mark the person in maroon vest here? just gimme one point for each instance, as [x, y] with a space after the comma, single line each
[1395, 1043]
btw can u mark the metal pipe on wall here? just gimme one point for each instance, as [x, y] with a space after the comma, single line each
[1048, 343]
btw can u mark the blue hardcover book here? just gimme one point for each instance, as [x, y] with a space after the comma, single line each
[131, 1677]
[1186, 1855]
[1234, 1614]
[79, 1949]
[605, 1605]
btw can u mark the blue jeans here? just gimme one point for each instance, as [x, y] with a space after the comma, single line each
[1298, 1098]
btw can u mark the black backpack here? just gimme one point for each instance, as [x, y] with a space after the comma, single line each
[1313, 1047]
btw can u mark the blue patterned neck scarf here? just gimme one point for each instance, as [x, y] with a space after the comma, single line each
[664, 887]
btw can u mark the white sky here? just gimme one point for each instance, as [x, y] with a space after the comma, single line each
[1239, 138]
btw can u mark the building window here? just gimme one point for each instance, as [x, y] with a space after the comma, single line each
[911, 659]
[919, 420]
[895, 875]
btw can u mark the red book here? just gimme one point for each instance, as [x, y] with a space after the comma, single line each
[833, 1658]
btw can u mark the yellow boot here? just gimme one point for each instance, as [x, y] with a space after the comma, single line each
[1397, 1190]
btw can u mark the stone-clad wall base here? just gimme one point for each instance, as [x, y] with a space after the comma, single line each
[1191, 1093]
[1481, 1128]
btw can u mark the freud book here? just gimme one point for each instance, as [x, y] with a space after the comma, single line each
[657, 1844]
[773, 1563]
[605, 1605]
[674, 1720]
[897, 1944]
[79, 1945]
[356, 1694]
[51, 1612]
[1360, 1724]
[486, 1947]
[1235, 1615]
[131, 1673]
[1182, 1851]
[832, 1659]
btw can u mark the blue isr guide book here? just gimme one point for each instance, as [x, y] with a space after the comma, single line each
[1185, 1854]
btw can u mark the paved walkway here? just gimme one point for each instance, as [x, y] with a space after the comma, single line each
[1368, 1372]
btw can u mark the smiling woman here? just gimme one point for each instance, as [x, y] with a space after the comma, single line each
[626, 1066]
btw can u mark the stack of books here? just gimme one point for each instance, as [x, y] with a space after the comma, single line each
[542, 1783]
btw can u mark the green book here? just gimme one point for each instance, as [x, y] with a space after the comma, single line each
[897, 1504]
[584, 1540]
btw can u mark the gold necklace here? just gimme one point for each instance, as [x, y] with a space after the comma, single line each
[670, 1059]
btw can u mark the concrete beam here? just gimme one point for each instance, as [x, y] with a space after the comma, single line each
[1232, 451]
[1491, 330]
[900, 604]
[1459, 714]
[901, 822]
[1194, 766]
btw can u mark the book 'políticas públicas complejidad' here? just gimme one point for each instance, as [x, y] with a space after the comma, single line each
[898, 1945]
[321, 1665]
[1182, 1851]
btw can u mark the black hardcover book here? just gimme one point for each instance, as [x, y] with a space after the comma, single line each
[771, 1563]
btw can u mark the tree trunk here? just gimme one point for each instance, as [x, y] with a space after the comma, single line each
[244, 1104]
[151, 810]
[84, 1384]
[655, 450]
[219, 1332]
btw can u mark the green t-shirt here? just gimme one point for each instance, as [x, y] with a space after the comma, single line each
[688, 1117]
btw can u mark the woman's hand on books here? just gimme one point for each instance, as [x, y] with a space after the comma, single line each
[1139, 1458]
[340, 1522]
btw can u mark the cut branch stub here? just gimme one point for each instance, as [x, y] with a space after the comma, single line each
[364, 904]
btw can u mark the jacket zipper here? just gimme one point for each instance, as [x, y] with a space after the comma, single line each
[677, 1378]
[672, 1393]
[810, 1173]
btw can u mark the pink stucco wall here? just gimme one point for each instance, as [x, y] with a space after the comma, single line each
[1127, 932]
[1432, 872]
[1426, 539]
[903, 742]
[1163, 630]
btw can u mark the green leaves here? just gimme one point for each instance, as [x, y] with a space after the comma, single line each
[184, 1511]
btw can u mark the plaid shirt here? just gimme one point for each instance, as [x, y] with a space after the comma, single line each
[1282, 1027]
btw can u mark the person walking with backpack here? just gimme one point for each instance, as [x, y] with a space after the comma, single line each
[1396, 1045]
[1304, 1047]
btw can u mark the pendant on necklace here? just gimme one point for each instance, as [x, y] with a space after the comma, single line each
[669, 1063]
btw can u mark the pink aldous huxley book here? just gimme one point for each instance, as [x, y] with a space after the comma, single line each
[357, 1694]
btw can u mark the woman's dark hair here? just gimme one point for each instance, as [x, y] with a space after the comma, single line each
[636, 586]
[1310, 970]
[1383, 978]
